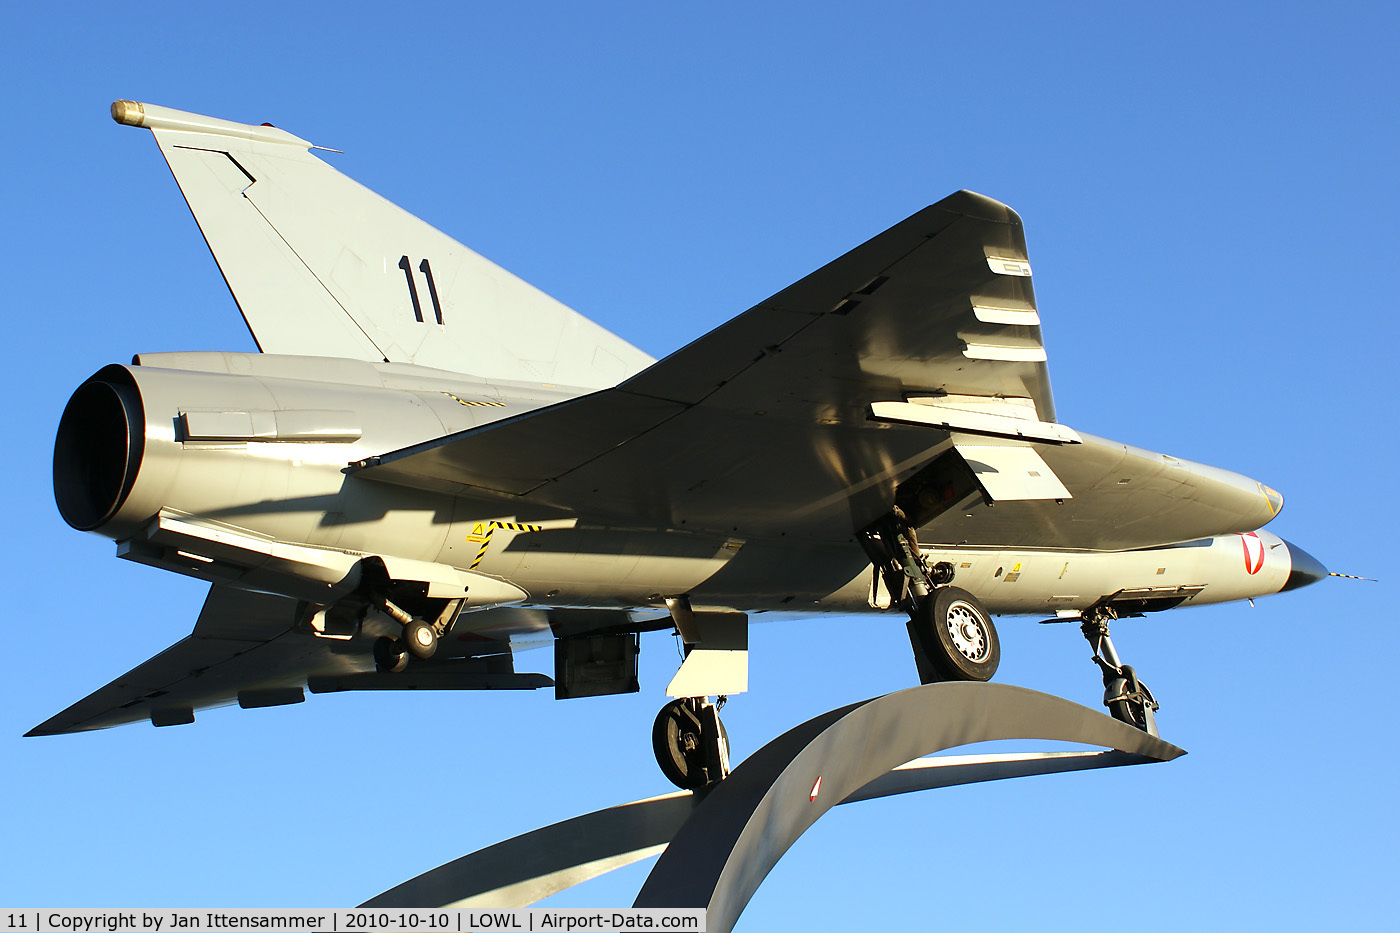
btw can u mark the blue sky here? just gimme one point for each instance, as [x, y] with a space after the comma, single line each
[1208, 193]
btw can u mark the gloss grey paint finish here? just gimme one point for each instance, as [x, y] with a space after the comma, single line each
[321, 265]
[736, 471]
[299, 492]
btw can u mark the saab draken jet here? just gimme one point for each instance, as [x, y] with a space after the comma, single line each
[431, 464]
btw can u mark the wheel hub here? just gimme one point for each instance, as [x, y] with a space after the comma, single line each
[966, 632]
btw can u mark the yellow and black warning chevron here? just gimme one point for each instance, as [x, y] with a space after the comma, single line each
[482, 532]
[471, 403]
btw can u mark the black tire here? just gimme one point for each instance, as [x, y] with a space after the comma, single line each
[724, 743]
[389, 655]
[678, 739]
[420, 639]
[959, 636]
[1130, 712]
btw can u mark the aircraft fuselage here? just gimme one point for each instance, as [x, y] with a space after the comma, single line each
[233, 468]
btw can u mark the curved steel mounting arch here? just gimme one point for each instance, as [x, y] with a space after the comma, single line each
[725, 840]
[718, 858]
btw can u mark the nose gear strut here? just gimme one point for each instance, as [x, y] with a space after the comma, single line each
[1126, 697]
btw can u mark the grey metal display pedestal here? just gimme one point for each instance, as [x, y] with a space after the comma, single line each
[719, 844]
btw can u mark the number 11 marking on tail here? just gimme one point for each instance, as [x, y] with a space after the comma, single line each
[427, 271]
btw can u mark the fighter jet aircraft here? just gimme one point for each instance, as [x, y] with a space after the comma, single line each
[431, 464]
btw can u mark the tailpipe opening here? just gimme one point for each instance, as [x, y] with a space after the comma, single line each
[97, 452]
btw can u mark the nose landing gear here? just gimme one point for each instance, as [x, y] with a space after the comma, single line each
[1127, 698]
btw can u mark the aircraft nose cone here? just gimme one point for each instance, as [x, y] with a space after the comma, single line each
[1306, 568]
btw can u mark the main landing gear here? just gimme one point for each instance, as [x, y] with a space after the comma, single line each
[951, 633]
[1126, 697]
[690, 742]
[419, 638]
[957, 635]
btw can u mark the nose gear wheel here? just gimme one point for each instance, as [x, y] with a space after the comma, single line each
[1128, 700]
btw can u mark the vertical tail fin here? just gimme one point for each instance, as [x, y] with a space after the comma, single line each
[322, 266]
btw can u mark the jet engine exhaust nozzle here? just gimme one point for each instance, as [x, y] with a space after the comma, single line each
[97, 453]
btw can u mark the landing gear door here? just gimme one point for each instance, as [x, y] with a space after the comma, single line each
[718, 664]
[1012, 473]
[880, 596]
